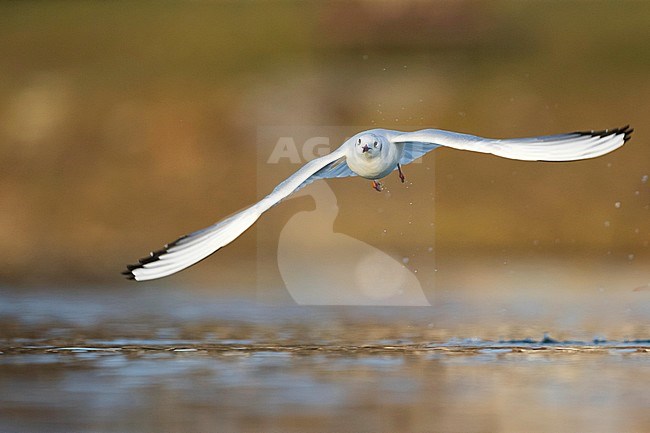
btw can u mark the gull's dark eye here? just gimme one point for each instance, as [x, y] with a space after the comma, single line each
[359, 142]
[375, 144]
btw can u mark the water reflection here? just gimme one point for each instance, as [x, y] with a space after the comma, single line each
[165, 360]
[272, 391]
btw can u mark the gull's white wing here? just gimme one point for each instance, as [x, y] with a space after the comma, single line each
[562, 147]
[192, 248]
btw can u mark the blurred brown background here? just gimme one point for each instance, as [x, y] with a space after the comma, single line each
[124, 125]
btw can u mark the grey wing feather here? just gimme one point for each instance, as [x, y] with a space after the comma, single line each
[412, 150]
[338, 168]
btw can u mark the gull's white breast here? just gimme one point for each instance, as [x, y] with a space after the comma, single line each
[378, 167]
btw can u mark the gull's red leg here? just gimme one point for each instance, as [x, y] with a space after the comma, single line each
[401, 175]
[377, 186]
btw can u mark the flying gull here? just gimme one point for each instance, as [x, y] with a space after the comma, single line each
[372, 154]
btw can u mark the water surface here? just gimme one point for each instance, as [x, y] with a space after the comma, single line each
[178, 361]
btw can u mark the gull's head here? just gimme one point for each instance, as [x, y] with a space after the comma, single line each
[368, 145]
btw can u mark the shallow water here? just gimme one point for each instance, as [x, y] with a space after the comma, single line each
[124, 360]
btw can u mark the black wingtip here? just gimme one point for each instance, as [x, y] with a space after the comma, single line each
[130, 268]
[626, 131]
[173, 244]
[153, 256]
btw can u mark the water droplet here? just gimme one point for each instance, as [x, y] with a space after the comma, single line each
[630, 257]
[607, 224]
[430, 249]
[405, 260]
[617, 205]
[644, 178]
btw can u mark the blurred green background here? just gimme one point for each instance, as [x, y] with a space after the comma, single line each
[126, 124]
